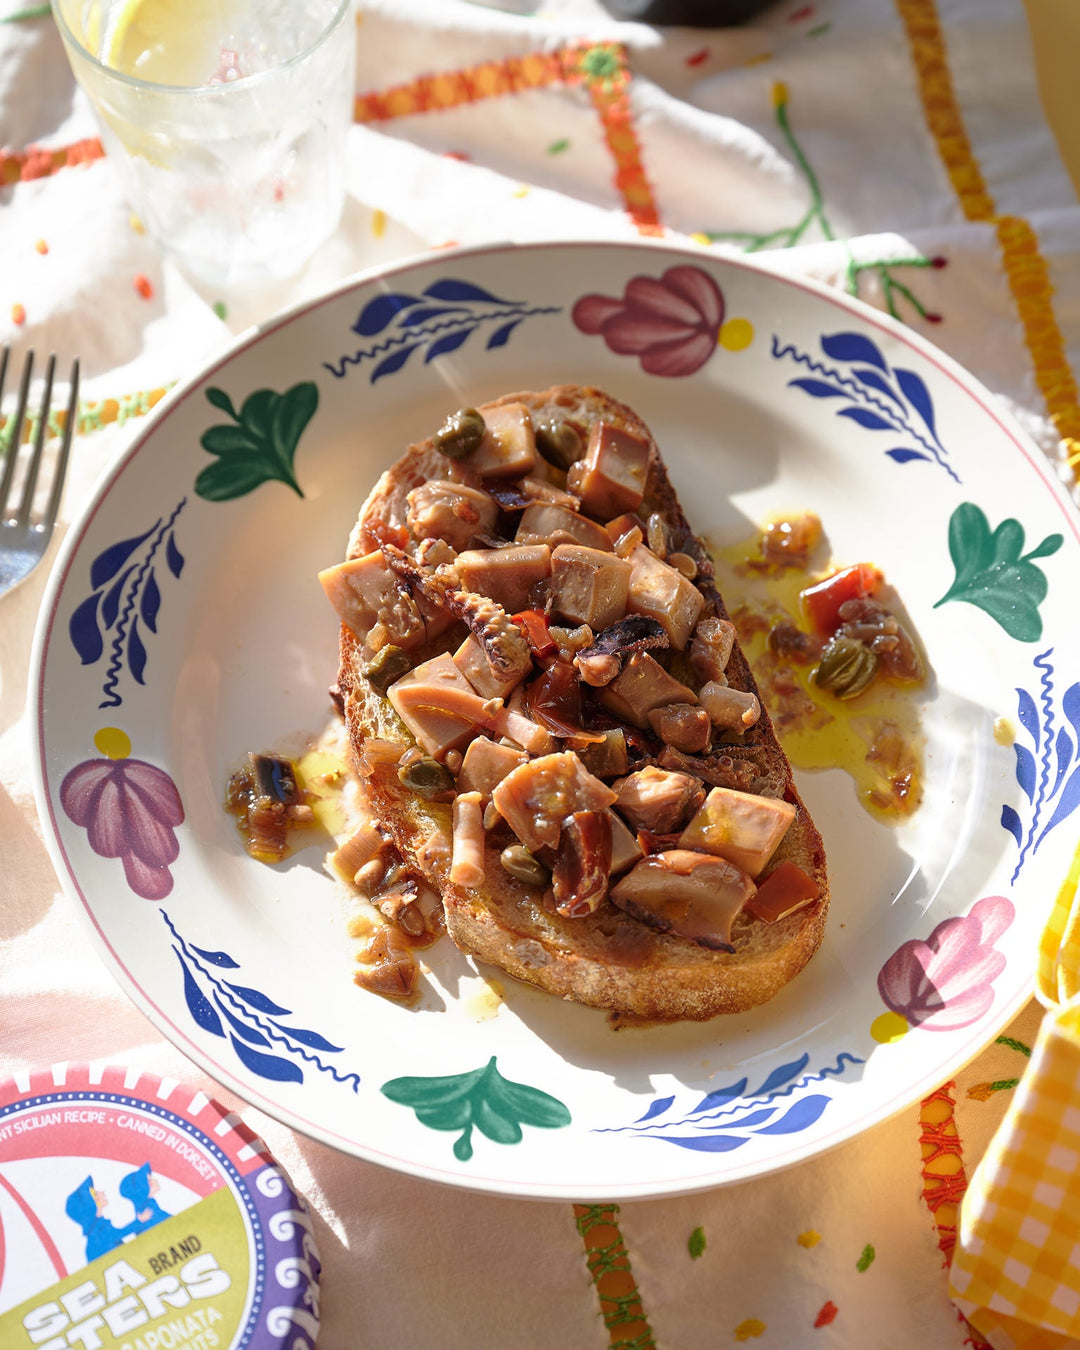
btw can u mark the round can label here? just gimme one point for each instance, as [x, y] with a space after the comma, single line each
[136, 1213]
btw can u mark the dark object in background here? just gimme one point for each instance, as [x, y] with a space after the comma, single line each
[690, 13]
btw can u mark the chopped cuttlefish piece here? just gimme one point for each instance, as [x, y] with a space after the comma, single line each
[688, 894]
[548, 523]
[729, 708]
[486, 764]
[739, 826]
[505, 575]
[611, 478]
[683, 727]
[508, 449]
[711, 648]
[625, 849]
[438, 705]
[441, 509]
[471, 659]
[658, 800]
[467, 858]
[588, 585]
[662, 593]
[643, 685]
[536, 798]
[364, 592]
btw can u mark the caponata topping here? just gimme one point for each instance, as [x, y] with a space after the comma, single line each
[523, 867]
[559, 442]
[386, 667]
[790, 541]
[656, 535]
[427, 778]
[846, 667]
[682, 562]
[460, 434]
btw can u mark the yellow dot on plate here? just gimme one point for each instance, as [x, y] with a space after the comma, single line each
[378, 223]
[136, 224]
[736, 335]
[699, 237]
[809, 1238]
[889, 1027]
[113, 743]
[522, 191]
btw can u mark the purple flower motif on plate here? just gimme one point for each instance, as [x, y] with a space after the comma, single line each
[947, 981]
[672, 324]
[130, 810]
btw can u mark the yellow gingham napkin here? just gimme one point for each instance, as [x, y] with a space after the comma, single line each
[1016, 1269]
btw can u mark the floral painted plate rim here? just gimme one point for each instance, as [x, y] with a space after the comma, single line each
[672, 324]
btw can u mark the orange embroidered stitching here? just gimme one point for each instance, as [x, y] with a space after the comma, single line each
[36, 162]
[1025, 267]
[944, 1177]
[609, 1266]
[602, 67]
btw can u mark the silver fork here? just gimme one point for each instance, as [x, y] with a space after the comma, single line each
[23, 540]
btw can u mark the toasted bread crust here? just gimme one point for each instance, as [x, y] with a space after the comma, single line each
[606, 959]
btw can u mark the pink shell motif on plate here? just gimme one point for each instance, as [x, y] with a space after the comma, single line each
[946, 982]
[130, 810]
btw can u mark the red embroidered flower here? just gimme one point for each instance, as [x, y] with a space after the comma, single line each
[129, 809]
[672, 324]
[946, 982]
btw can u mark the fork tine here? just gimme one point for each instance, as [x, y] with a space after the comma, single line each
[30, 482]
[14, 434]
[60, 472]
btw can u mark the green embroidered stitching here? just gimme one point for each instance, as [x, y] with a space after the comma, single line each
[790, 235]
[593, 1216]
[866, 1259]
[1014, 1045]
[696, 1243]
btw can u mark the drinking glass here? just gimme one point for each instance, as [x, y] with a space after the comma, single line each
[228, 119]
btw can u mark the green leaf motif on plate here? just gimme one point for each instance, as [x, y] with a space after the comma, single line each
[994, 573]
[261, 443]
[482, 1099]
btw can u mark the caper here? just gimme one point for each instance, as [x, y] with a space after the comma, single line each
[559, 442]
[427, 778]
[846, 667]
[386, 667]
[522, 866]
[460, 434]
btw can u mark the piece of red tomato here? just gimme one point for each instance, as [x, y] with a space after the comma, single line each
[821, 602]
[534, 626]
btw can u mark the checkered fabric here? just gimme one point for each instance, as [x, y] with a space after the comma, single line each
[1016, 1269]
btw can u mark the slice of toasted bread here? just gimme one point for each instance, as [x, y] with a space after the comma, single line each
[606, 959]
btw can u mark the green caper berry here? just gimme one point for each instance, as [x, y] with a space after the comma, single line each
[846, 667]
[559, 442]
[427, 778]
[386, 667]
[461, 433]
[522, 866]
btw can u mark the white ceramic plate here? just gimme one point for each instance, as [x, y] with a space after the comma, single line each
[184, 626]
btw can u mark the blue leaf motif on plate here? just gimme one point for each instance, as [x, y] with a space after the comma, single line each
[865, 418]
[1010, 821]
[729, 1117]
[377, 314]
[1048, 766]
[447, 344]
[267, 1066]
[878, 398]
[221, 959]
[438, 321]
[198, 1004]
[818, 389]
[851, 347]
[915, 391]
[124, 592]
[264, 1043]
[84, 631]
[258, 1000]
[110, 560]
